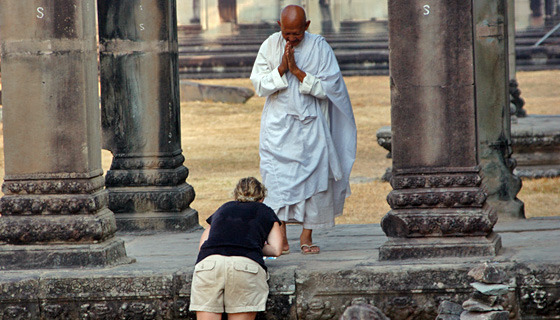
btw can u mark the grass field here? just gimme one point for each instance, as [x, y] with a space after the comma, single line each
[220, 143]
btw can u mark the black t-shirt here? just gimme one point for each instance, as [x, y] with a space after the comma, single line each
[239, 229]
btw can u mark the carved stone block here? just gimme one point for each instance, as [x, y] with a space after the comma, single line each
[438, 222]
[539, 290]
[109, 252]
[35, 230]
[431, 247]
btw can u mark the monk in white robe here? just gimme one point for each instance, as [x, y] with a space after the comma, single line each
[308, 132]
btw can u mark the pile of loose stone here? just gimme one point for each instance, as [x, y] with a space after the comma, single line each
[484, 303]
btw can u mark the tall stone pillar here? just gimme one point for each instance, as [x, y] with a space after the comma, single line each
[438, 207]
[492, 68]
[196, 12]
[140, 115]
[54, 208]
[511, 39]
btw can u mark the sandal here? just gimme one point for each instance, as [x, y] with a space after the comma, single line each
[309, 249]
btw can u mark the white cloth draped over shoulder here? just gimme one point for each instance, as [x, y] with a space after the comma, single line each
[308, 131]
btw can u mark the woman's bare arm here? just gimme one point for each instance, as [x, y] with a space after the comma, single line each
[204, 237]
[273, 245]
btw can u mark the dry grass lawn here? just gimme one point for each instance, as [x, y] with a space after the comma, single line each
[220, 143]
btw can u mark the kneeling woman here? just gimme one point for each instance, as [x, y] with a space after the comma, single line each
[230, 275]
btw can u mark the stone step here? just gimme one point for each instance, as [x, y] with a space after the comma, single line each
[238, 47]
[358, 54]
[245, 72]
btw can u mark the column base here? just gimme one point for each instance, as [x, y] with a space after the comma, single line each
[157, 221]
[150, 199]
[439, 247]
[107, 253]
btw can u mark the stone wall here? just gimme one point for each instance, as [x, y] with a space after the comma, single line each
[399, 292]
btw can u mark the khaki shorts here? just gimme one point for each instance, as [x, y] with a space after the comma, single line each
[228, 284]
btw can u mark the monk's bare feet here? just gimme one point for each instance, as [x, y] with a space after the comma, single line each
[306, 242]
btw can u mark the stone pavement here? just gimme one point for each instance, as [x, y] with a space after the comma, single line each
[536, 239]
[302, 286]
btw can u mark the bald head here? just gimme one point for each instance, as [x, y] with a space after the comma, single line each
[293, 14]
[293, 24]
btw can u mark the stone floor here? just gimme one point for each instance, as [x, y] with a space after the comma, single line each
[347, 268]
[536, 239]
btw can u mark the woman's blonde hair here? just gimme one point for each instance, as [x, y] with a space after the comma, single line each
[249, 189]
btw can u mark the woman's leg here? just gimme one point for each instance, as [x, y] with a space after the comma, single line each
[242, 316]
[203, 315]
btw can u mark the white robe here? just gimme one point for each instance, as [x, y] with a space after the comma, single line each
[308, 132]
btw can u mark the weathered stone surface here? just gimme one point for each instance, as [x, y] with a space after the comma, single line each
[282, 298]
[495, 315]
[151, 199]
[536, 146]
[428, 141]
[361, 310]
[477, 306]
[328, 291]
[438, 56]
[192, 91]
[539, 294]
[430, 222]
[488, 273]
[443, 198]
[489, 300]
[432, 247]
[54, 204]
[432, 79]
[490, 289]
[450, 308]
[53, 256]
[35, 230]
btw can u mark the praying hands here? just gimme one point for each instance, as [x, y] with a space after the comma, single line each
[289, 63]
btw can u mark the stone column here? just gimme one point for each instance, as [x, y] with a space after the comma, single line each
[492, 79]
[326, 17]
[438, 207]
[140, 115]
[196, 12]
[511, 39]
[54, 208]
